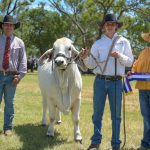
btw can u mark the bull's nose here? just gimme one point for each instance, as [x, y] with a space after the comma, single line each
[59, 62]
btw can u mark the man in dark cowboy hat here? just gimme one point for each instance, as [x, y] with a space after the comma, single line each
[108, 61]
[13, 67]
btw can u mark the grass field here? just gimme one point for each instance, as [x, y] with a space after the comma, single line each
[29, 135]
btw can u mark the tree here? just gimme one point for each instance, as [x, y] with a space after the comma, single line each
[42, 27]
[13, 6]
[85, 13]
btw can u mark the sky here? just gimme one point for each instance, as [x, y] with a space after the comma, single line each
[35, 4]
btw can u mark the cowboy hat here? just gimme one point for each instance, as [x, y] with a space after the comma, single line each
[146, 36]
[111, 18]
[11, 20]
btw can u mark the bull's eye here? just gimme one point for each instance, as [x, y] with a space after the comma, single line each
[69, 49]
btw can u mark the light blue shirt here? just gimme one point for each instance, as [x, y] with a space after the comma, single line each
[18, 59]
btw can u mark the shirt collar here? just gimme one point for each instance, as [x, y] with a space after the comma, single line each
[116, 34]
[11, 37]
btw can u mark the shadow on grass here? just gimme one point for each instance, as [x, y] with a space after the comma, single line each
[34, 137]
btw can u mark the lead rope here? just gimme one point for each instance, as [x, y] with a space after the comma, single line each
[115, 97]
[124, 119]
[106, 62]
[124, 125]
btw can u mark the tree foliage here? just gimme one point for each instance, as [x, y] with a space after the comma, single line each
[42, 28]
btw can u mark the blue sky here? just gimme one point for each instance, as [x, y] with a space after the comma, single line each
[35, 4]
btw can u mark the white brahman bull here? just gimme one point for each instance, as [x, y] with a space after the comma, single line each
[60, 83]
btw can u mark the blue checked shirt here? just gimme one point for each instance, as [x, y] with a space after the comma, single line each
[18, 59]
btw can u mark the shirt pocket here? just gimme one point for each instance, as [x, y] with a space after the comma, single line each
[15, 53]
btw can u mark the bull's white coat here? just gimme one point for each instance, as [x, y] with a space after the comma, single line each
[61, 86]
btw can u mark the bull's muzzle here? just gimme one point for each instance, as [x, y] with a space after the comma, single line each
[59, 62]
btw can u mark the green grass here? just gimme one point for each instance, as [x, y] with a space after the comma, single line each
[29, 135]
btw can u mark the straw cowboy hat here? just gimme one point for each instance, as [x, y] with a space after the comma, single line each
[111, 18]
[11, 20]
[146, 36]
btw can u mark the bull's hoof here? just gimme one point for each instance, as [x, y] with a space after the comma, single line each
[79, 141]
[78, 138]
[58, 122]
[50, 134]
[43, 125]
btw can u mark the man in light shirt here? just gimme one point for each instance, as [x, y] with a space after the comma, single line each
[108, 77]
[13, 67]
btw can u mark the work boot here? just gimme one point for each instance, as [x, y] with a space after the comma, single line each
[8, 132]
[116, 148]
[93, 147]
[142, 148]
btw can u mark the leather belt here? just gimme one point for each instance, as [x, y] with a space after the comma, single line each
[112, 78]
[8, 73]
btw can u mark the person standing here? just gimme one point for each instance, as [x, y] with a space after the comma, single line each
[13, 67]
[142, 65]
[108, 81]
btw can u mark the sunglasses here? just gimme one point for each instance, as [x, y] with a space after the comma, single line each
[110, 24]
[8, 25]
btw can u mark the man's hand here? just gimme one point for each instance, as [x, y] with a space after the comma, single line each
[16, 80]
[115, 54]
[129, 73]
[83, 53]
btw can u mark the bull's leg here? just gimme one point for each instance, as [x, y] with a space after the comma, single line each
[75, 116]
[58, 116]
[52, 113]
[44, 105]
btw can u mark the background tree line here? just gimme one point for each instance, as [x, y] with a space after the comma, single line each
[78, 20]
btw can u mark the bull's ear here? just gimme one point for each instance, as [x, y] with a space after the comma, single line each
[79, 61]
[47, 55]
[51, 54]
[71, 41]
[74, 51]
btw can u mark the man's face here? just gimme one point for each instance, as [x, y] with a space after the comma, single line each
[110, 27]
[8, 28]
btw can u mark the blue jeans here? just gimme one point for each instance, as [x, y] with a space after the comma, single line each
[144, 96]
[7, 89]
[102, 88]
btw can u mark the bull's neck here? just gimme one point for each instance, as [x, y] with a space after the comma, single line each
[64, 80]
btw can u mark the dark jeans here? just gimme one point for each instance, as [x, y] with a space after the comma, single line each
[102, 88]
[7, 89]
[144, 96]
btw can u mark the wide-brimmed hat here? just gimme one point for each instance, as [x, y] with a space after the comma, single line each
[146, 36]
[111, 18]
[11, 20]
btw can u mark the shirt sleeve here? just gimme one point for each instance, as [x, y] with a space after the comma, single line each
[137, 64]
[90, 61]
[126, 58]
[22, 67]
[134, 67]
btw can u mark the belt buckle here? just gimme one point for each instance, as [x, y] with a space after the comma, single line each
[4, 72]
[107, 78]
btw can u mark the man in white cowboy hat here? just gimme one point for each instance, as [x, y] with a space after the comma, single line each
[109, 61]
[13, 67]
[142, 65]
